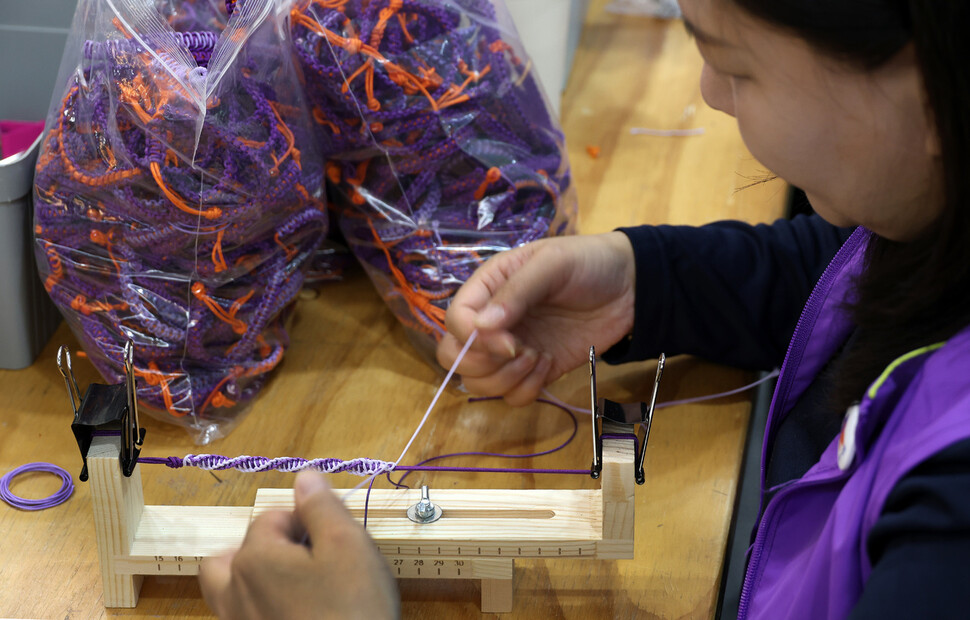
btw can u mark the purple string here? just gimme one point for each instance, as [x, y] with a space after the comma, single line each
[744, 388]
[419, 466]
[414, 193]
[61, 496]
[137, 206]
[370, 467]
[636, 442]
[501, 470]
[362, 466]
[367, 499]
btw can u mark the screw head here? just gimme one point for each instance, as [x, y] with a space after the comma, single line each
[424, 511]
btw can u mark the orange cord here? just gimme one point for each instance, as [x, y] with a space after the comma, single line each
[322, 120]
[81, 304]
[216, 398]
[210, 213]
[238, 326]
[57, 269]
[106, 240]
[109, 178]
[414, 298]
[217, 258]
[492, 176]
[153, 376]
[291, 250]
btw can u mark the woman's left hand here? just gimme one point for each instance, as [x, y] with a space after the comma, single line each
[339, 574]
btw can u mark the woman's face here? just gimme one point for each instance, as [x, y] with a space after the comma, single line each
[859, 143]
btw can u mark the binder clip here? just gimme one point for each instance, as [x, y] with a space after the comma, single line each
[105, 409]
[629, 414]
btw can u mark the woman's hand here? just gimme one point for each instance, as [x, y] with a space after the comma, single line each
[338, 574]
[537, 309]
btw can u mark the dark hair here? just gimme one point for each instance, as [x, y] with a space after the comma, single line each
[912, 293]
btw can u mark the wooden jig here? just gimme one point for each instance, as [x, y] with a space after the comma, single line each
[480, 534]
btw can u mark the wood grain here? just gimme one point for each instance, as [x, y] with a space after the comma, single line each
[352, 385]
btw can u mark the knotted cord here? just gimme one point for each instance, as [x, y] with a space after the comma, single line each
[438, 139]
[183, 230]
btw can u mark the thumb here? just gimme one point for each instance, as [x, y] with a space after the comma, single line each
[316, 505]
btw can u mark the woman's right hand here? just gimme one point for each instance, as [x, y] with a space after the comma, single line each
[537, 309]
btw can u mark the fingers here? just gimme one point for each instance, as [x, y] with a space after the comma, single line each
[519, 382]
[498, 294]
[462, 319]
[274, 528]
[476, 363]
[529, 388]
[319, 510]
[214, 576]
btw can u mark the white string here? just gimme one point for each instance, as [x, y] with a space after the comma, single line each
[672, 403]
[434, 401]
[437, 395]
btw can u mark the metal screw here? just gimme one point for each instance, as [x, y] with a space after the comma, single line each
[424, 511]
[425, 508]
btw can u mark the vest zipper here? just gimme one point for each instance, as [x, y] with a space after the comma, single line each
[795, 349]
[766, 518]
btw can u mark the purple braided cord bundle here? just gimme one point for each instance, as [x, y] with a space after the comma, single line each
[185, 231]
[438, 138]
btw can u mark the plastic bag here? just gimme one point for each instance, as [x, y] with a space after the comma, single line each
[437, 139]
[179, 195]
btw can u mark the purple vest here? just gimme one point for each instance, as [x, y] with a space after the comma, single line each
[809, 557]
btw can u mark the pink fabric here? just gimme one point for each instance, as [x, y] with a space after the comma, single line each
[17, 136]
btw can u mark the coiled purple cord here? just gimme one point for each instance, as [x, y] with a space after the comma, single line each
[61, 496]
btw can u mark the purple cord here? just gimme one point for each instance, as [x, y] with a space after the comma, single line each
[372, 467]
[441, 154]
[673, 403]
[367, 499]
[496, 470]
[572, 435]
[184, 231]
[61, 496]
[636, 442]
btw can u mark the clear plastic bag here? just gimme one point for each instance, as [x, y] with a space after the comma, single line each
[440, 148]
[179, 197]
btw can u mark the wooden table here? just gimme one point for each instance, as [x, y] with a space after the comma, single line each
[351, 385]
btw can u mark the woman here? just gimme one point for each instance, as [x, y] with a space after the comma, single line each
[863, 105]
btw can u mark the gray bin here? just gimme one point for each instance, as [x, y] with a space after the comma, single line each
[27, 315]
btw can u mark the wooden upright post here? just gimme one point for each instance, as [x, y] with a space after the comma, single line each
[497, 593]
[619, 503]
[118, 503]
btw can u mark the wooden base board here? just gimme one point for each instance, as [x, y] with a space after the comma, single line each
[479, 535]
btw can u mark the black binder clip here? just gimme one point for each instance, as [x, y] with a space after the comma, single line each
[638, 414]
[105, 409]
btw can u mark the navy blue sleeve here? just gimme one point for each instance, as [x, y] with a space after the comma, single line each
[920, 545]
[729, 292]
